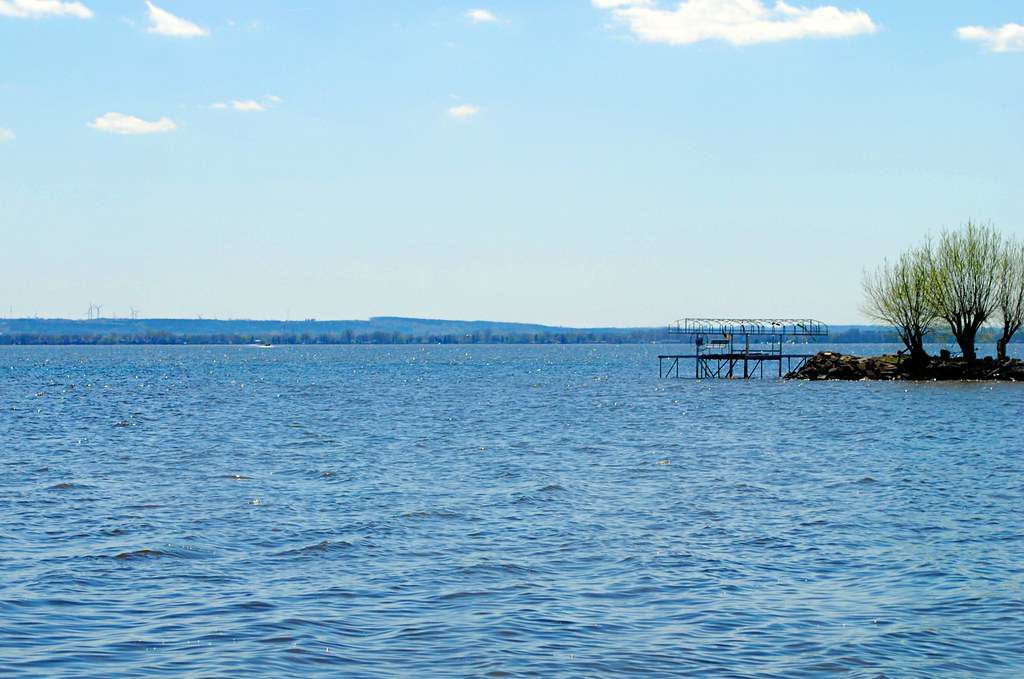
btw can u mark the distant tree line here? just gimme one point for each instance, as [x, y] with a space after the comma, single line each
[963, 280]
[938, 336]
[640, 336]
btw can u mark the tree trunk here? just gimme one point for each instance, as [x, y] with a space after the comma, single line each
[966, 342]
[919, 358]
[1001, 346]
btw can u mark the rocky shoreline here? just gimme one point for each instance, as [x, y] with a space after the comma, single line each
[829, 365]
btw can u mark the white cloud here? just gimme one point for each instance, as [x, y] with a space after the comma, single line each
[1007, 38]
[739, 22]
[163, 22]
[119, 123]
[480, 16]
[6, 135]
[463, 111]
[248, 105]
[35, 9]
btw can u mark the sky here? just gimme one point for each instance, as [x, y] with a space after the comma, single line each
[574, 162]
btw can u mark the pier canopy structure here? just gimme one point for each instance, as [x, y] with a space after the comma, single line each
[740, 347]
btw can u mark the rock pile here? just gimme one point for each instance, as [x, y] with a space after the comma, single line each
[829, 365]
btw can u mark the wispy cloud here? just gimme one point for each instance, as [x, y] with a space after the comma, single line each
[739, 22]
[119, 123]
[463, 111]
[163, 22]
[248, 105]
[1006, 38]
[481, 16]
[245, 105]
[36, 9]
[6, 135]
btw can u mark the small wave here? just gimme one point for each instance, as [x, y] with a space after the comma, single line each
[238, 477]
[551, 488]
[865, 481]
[431, 514]
[141, 554]
[768, 541]
[813, 522]
[323, 547]
[750, 488]
[169, 550]
[499, 568]
[462, 594]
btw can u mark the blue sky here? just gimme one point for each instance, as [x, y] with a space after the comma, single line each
[582, 162]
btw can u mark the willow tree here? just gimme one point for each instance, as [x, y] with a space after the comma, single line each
[897, 294]
[1010, 294]
[963, 280]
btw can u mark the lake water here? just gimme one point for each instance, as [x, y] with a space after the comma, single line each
[499, 511]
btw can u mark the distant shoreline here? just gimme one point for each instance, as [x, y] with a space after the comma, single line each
[384, 339]
[376, 330]
[372, 339]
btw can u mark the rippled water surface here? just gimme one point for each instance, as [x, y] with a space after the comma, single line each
[498, 511]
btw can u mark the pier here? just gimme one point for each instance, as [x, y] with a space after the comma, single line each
[734, 348]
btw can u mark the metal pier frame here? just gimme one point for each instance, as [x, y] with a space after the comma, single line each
[723, 347]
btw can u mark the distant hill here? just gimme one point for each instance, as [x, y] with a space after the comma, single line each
[377, 330]
[201, 326]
